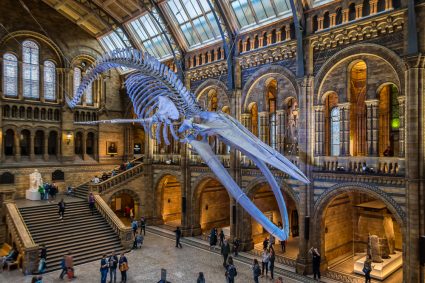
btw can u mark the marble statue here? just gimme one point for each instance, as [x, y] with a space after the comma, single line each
[374, 249]
[160, 99]
[35, 180]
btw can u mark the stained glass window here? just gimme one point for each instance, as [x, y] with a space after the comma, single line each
[195, 20]
[10, 75]
[335, 131]
[49, 80]
[77, 80]
[252, 12]
[149, 35]
[88, 94]
[30, 69]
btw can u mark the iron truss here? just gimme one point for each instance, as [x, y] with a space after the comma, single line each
[229, 40]
[109, 21]
[151, 6]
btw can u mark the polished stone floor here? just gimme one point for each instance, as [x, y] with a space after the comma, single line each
[145, 264]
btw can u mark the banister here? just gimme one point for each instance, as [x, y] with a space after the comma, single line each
[124, 232]
[22, 238]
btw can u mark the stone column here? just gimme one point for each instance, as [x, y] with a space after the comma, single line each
[388, 5]
[216, 54]
[209, 57]
[344, 110]
[401, 107]
[372, 125]
[203, 58]
[319, 23]
[288, 32]
[319, 130]
[17, 145]
[32, 155]
[280, 130]
[20, 82]
[46, 147]
[84, 145]
[41, 84]
[415, 175]
[359, 11]
[260, 42]
[263, 126]
[244, 44]
[332, 18]
[191, 62]
[58, 146]
[345, 15]
[278, 36]
[269, 39]
[197, 58]
[373, 7]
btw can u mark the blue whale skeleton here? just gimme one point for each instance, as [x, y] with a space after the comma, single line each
[161, 101]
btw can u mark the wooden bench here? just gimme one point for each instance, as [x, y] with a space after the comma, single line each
[16, 263]
[5, 249]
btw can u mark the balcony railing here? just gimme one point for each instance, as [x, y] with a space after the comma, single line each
[361, 164]
[197, 160]
[169, 159]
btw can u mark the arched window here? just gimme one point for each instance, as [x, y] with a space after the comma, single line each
[338, 18]
[271, 101]
[358, 90]
[352, 12]
[389, 121]
[326, 20]
[366, 8]
[30, 69]
[77, 79]
[49, 80]
[335, 131]
[10, 75]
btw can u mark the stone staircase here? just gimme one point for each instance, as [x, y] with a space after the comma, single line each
[87, 236]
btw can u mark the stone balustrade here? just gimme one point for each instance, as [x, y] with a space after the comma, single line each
[124, 232]
[167, 158]
[375, 165]
[18, 231]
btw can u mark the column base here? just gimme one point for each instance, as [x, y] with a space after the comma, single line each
[32, 195]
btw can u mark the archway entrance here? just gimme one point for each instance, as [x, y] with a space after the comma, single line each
[355, 224]
[214, 207]
[125, 203]
[265, 200]
[171, 201]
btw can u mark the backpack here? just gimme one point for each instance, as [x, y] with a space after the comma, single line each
[232, 273]
[257, 270]
[134, 225]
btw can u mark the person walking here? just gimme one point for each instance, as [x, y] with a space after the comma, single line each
[271, 241]
[178, 233]
[213, 238]
[316, 263]
[265, 243]
[256, 270]
[225, 251]
[143, 226]
[43, 257]
[63, 267]
[231, 271]
[236, 244]
[113, 264]
[265, 258]
[134, 227]
[283, 246]
[271, 262]
[221, 235]
[123, 266]
[103, 269]
[201, 278]
[61, 206]
[69, 264]
[367, 269]
[91, 203]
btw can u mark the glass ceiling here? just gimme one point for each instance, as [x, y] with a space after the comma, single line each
[149, 36]
[195, 19]
[115, 40]
[252, 12]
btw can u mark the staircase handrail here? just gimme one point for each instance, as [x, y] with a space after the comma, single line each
[117, 179]
[22, 237]
[89, 182]
[125, 232]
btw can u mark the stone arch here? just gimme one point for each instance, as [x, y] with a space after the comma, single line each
[326, 198]
[389, 56]
[209, 85]
[159, 191]
[279, 72]
[135, 196]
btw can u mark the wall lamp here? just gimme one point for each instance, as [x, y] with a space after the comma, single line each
[68, 137]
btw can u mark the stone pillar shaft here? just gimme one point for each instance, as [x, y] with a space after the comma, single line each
[319, 129]
[372, 125]
[344, 129]
[402, 105]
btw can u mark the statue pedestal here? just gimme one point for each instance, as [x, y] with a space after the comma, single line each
[32, 195]
[381, 270]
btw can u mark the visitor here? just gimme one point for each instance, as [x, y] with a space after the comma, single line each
[201, 278]
[367, 268]
[91, 203]
[70, 191]
[46, 191]
[37, 279]
[96, 180]
[271, 262]
[128, 166]
[68, 266]
[271, 241]
[178, 233]
[41, 191]
[143, 226]
[103, 269]
[43, 257]
[54, 190]
[231, 272]
[127, 211]
[139, 240]
[316, 263]
[122, 167]
[10, 257]
[221, 235]
[123, 266]
[283, 246]
[265, 258]
[63, 267]
[225, 251]
[113, 173]
[388, 151]
[61, 206]
[256, 270]
[113, 264]
[213, 238]
[265, 243]
[132, 214]
[104, 176]
[134, 227]
[236, 244]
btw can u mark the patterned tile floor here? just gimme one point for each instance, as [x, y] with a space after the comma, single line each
[145, 264]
